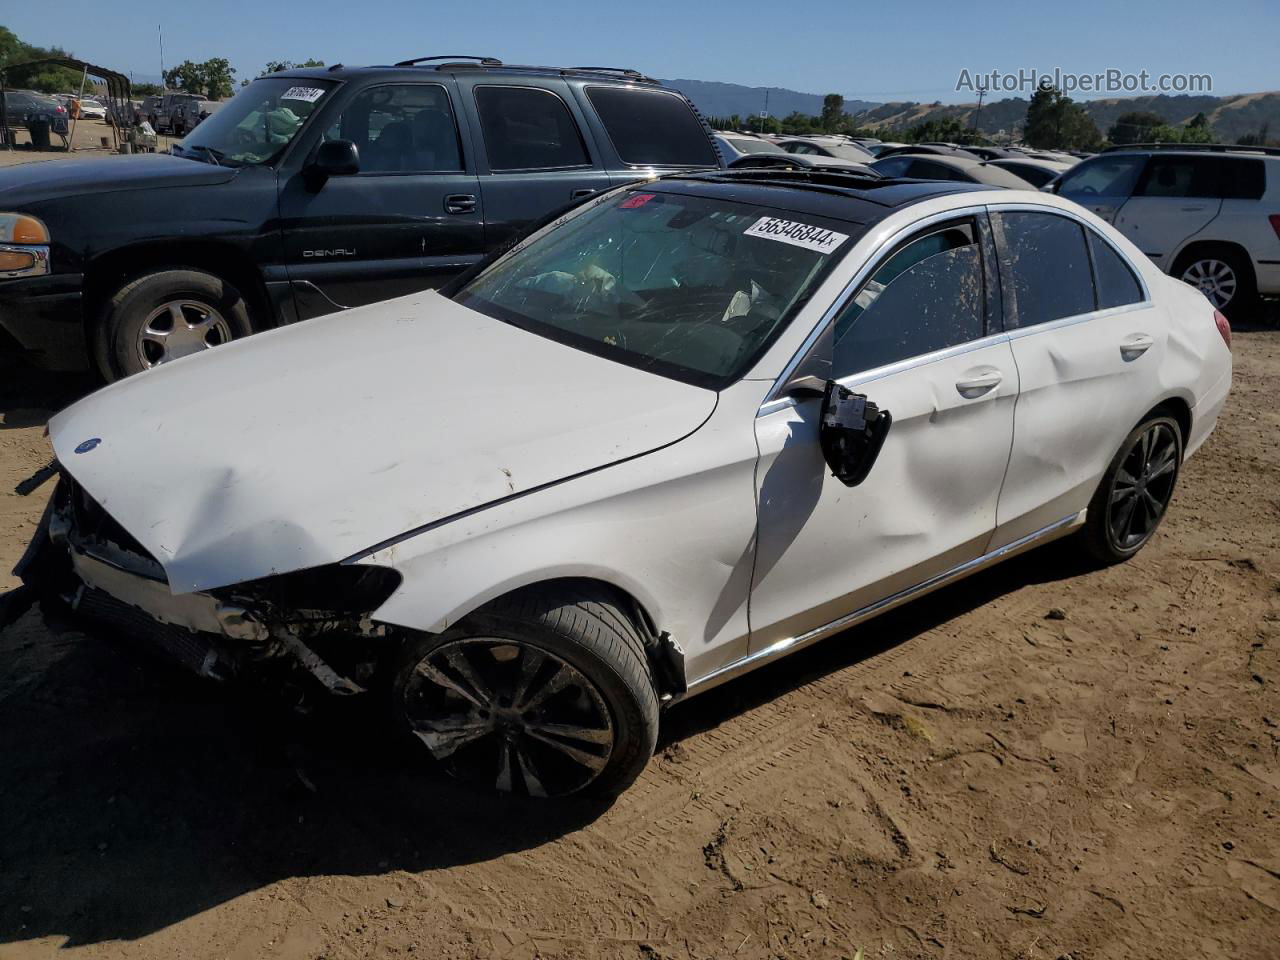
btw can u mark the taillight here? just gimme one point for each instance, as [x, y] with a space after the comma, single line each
[1224, 327]
[1275, 223]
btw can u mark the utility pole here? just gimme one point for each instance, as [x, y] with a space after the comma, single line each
[982, 93]
[160, 32]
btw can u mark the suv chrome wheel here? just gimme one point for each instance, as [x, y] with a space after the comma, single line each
[1214, 278]
[509, 714]
[179, 328]
[1143, 486]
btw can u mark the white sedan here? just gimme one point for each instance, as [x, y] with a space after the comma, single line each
[92, 110]
[682, 431]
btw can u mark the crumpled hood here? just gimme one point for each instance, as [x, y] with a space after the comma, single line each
[309, 444]
[73, 177]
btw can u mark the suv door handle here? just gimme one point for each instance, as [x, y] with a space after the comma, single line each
[579, 194]
[460, 203]
[1132, 347]
[982, 381]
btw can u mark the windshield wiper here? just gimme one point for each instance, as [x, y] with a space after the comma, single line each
[217, 156]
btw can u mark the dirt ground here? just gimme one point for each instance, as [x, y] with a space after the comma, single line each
[87, 143]
[968, 777]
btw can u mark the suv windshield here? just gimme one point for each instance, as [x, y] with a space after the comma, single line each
[257, 124]
[693, 288]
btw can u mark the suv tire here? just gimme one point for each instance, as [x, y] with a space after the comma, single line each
[1223, 274]
[545, 692]
[168, 314]
[1134, 494]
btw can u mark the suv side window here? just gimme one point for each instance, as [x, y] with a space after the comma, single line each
[528, 128]
[1167, 176]
[402, 128]
[1113, 278]
[1242, 178]
[652, 127]
[927, 296]
[1102, 177]
[1044, 267]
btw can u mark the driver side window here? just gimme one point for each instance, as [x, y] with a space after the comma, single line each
[402, 128]
[927, 296]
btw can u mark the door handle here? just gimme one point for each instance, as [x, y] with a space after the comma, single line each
[981, 382]
[1132, 347]
[579, 194]
[460, 203]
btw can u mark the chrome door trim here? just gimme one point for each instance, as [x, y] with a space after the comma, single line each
[792, 644]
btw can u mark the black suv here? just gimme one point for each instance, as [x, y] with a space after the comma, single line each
[312, 191]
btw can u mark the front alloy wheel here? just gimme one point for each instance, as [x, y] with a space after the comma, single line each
[180, 328]
[509, 715]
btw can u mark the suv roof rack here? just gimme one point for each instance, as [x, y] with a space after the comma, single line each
[627, 72]
[485, 61]
[1196, 148]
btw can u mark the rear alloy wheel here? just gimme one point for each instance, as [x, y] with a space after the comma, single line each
[168, 315]
[1135, 493]
[543, 694]
[1222, 276]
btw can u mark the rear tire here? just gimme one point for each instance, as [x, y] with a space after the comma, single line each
[168, 314]
[1135, 491]
[1223, 275]
[544, 693]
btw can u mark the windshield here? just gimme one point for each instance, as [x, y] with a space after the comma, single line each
[257, 124]
[694, 288]
[744, 145]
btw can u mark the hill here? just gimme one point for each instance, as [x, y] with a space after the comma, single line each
[725, 99]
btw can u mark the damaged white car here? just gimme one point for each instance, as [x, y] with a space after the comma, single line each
[671, 436]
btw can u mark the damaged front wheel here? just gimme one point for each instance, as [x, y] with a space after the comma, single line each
[545, 694]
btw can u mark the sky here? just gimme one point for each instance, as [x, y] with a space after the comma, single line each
[868, 50]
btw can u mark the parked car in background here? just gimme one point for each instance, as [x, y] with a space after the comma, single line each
[92, 109]
[800, 161]
[939, 167]
[21, 105]
[838, 147]
[735, 145]
[699, 368]
[316, 190]
[928, 149]
[179, 113]
[1035, 172]
[1208, 215]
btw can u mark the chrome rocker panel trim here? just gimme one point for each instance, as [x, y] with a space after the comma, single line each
[792, 644]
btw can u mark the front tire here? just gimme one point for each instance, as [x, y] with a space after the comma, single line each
[1134, 494]
[544, 693]
[169, 314]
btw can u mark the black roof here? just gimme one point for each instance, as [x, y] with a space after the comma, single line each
[840, 196]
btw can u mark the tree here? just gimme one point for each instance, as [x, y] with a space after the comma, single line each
[832, 112]
[45, 79]
[1056, 122]
[213, 79]
[1135, 127]
[275, 66]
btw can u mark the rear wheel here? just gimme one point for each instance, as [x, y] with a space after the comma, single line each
[544, 694]
[1222, 275]
[169, 314]
[1135, 491]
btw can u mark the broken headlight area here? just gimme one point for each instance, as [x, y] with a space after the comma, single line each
[317, 621]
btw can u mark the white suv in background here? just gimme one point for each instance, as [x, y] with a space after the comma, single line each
[1209, 216]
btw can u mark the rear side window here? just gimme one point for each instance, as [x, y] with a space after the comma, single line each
[649, 127]
[1115, 281]
[1102, 177]
[1179, 177]
[527, 128]
[1044, 267]
[1242, 178]
[927, 296]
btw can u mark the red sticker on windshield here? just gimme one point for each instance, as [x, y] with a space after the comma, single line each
[636, 200]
